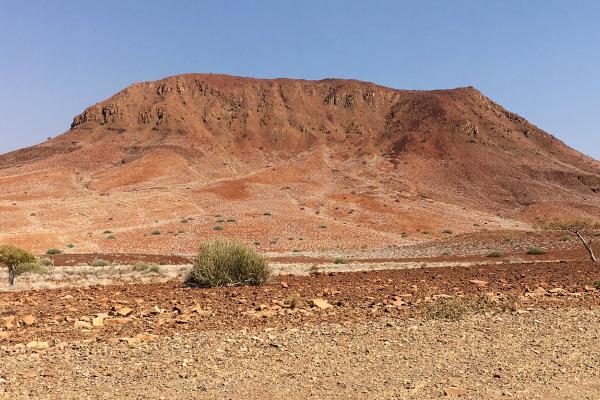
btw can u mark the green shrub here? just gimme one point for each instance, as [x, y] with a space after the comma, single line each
[565, 238]
[536, 251]
[154, 268]
[495, 253]
[100, 263]
[53, 252]
[231, 220]
[220, 221]
[71, 246]
[267, 214]
[140, 266]
[596, 284]
[323, 226]
[447, 231]
[340, 261]
[30, 268]
[107, 232]
[218, 228]
[228, 263]
[155, 233]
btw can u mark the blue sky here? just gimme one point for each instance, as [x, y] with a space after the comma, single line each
[538, 58]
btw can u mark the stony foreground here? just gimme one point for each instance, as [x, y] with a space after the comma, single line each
[548, 354]
[492, 331]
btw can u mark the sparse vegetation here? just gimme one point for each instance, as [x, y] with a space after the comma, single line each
[455, 308]
[267, 214]
[107, 232]
[323, 226]
[140, 266]
[220, 221]
[228, 263]
[111, 237]
[153, 268]
[53, 252]
[71, 246]
[30, 268]
[100, 263]
[340, 260]
[155, 233]
[293, 301]
[218, 228]
[447, 231]
[231, 220]
[536, 251]
[47, 262]
[596, 284]
[495, 253]
[579, 228]
[12, 257]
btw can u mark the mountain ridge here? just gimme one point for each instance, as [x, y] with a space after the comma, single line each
[318, 145]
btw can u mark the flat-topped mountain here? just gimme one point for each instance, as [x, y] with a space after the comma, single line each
[332, 163]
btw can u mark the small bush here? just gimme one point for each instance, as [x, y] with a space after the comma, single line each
[53, 252]
[220, 221]
[71, 246]
[340, 261]
[426, 232]
[107, 232]
[267, 214]
[140, 266]
[155, 233]
[495, 253]
[231, 220]
[447, 231]
[596, 284]
[154, 268]
[293, 301]
[111, 237]
[184, 221]
[323, 226]
[218, 228]
[47, 262]
[228, 263]
[536, 251]
[100, 263]
[30, 268]
[565, 238]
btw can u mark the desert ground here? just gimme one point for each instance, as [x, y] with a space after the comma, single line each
[408, 233]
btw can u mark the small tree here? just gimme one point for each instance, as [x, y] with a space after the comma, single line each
[12, 256]
[579, 228]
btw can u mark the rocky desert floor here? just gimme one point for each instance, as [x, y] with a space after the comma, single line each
[523, 330]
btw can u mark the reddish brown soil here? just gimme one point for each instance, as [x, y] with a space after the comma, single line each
[355, 296]
[298, 164]
[65, 260]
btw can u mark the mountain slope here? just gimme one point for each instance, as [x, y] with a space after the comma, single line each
[334, 162]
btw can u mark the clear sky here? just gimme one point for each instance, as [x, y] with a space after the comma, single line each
[538, 58]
